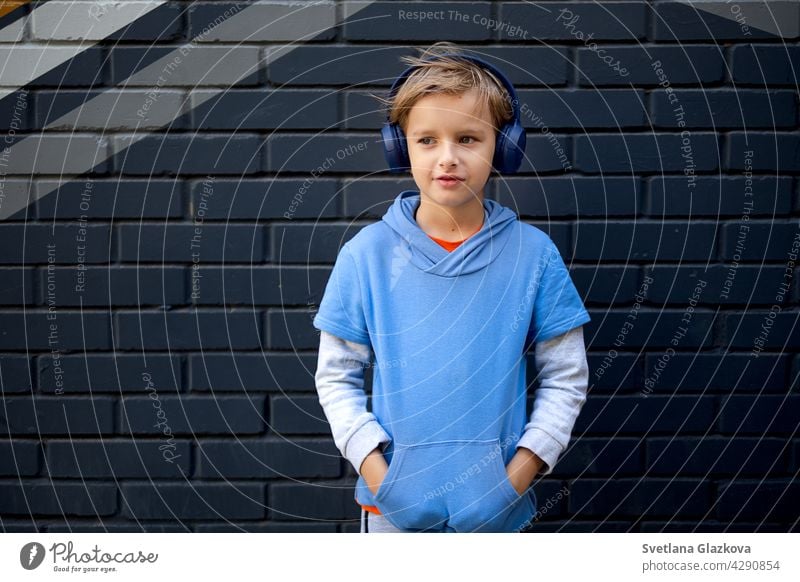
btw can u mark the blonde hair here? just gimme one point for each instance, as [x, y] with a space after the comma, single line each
[450, 76]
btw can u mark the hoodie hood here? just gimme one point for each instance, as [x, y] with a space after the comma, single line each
[473, 254]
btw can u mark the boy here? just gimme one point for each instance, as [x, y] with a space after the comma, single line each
[448, 290]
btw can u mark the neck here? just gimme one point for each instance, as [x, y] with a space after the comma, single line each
[450, 223]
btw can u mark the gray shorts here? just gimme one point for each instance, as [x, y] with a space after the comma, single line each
[374, 523]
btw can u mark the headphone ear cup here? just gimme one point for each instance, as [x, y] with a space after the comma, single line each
[395, 148]
[509, 148]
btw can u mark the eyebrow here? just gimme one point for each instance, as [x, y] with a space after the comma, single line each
[428, 131]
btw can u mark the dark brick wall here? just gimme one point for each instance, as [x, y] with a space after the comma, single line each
[151, 384]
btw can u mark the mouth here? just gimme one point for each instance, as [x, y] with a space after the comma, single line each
[449, 179]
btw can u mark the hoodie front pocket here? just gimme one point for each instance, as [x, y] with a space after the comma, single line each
[453, 485]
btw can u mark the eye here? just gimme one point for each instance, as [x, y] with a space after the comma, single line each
[422, 140]
[468, 137]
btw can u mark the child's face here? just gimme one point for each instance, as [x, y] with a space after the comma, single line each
[450, 134]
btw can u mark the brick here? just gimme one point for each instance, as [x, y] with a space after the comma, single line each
[108, 110]
[187, 155]
[646, 153]
[115, 373]
[16, 110]
[683, 65]
[616, 285]
[57, 154]
[758, 500]
[266, 372]
[370, 198]
[87, 67]
[464, 21]
[127, 286]
[758, 330]
[291, 330]
[757, 415]
[267, 459]
[763, 240]
[624, 21]
[12, 25]
[199, 243]
[186, 65]
[71, 331]
[590, 457]
[718, 196]
[193, 501]
[750, 284]
[319, 500]
[187, 330]
[87, 21]
[16, 204]
[265, 199]
[17, 288]
[53, 498]
[544, 153]
[59, 244]
[715, 456]
[298, 415]
[310, 243]
[765, 64]
[139, 199]
[614, 372]
[20, 458]
[15, 374]
[325, 154]
[362, 110]
[718, 21]
[635, 415]
[260, 285]
[718, 110]
[646, 241]
[257, 109]
[569, 197]
[680, 329]
[256, 22]
[192, 415]
[352, 65]
[772, 152]
[118, 459]
[560, 234]
[581, 109]
[45, 416]
[619, 498]
[727, 373]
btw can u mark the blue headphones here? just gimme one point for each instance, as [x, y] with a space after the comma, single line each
[509, 145]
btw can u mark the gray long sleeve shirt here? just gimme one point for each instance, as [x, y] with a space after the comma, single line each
[563, 381]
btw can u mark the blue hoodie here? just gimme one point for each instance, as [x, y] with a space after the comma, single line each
[449, 331]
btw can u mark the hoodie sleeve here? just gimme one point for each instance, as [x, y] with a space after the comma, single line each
[557, 307]
[340, 386]
[563, 381]
[341, 311]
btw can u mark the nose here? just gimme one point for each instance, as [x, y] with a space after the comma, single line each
[448, 155]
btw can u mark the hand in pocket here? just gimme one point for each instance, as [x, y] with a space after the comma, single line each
[374, 469]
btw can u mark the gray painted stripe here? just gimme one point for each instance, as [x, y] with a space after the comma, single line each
[26, 62]
[778, 18]
[14, 200]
